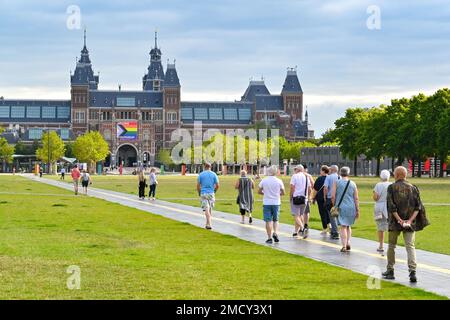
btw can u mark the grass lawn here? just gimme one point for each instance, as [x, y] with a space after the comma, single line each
[181, 189]
[125, 253]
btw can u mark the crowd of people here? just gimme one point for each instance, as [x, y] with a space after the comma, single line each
[396, 209]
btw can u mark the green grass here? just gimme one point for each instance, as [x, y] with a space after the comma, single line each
[179, 189]
[125, 253]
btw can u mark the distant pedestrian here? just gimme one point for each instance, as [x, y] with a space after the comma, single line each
[14, 171]
[345, 197]
[41, 171]
[207, 185]
[245, 186]
[406, 216]
[153, 184]
[380, 210]
[330, 180]
[299, 190]
[308, 203]
[321, 199]
[142, 184]
[75, 174]
[85, 181]
[63, 173]
[272, 189]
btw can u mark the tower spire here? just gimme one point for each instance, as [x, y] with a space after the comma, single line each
[156, 38]
[85, 37]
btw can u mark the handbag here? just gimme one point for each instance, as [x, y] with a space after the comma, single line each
[335, 210]
[300, 200]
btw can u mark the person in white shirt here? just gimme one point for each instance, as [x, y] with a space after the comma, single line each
[299, 191]
[380, 210]
[272, 189]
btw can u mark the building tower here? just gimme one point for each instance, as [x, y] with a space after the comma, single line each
[292, 94]
[81, 81]
[154, 79]
[172, 103]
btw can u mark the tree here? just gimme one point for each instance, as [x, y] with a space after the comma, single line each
[348, 133]
[6, 152]
[164, 157]
[90, 147]
[439, 118]
[52, 148]
[69, 150]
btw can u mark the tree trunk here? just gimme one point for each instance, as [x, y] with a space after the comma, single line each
[441, 165]
[413, 171]
[419, 169]
[435, 165]
[378, 166]
[392, 164]
[355, 166]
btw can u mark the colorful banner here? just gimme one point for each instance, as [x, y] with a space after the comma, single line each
[127, 130]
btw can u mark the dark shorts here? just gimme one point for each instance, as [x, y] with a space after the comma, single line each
[85, 183]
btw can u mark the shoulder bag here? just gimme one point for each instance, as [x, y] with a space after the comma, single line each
[334, 212]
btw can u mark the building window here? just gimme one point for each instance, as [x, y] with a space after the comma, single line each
[126, 101]
[201, 114]
[64, 134]
[186, 113]
[35, 134]
[4, 111]
[245, 114]
[230, 114]
[79, 117]
[171, 117]
[156, 85]
[49, 112]
[63, 112]
[157, 115]
[215, 114]
[17, 112]
[146, 135]
[33, 112]
[107, 134]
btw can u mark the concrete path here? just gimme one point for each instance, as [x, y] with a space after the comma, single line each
[433, 270]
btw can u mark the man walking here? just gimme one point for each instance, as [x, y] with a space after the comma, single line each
[207, 185]
[403, 204]
[75, 174]
[298, 200]
[330, 180]
[272, 189]
[63, 173]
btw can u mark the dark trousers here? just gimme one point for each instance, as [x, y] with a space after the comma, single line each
[333, 220]
[323, 213]
[141, 189]
[152, 192]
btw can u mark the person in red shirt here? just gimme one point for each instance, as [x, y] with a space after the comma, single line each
[75, 173]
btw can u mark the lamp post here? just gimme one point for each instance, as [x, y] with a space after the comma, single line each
[48, 149]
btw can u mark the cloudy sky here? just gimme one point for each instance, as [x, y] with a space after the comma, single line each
[220, 45]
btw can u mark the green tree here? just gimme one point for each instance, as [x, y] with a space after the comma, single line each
[6, 152]
[52, 148]
[438, 120]
[348, 133]
[90, 147]
[69, 150]
[164, 157]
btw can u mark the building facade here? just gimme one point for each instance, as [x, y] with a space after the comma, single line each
[137, 124]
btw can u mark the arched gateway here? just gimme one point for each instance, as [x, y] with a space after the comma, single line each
[127, 154]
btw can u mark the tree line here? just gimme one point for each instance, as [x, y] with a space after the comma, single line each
[408, 129]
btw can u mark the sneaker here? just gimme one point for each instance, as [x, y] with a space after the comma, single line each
[389, 275]
[381, 250]
[250, 220]
[300, 232]
[324, 232]
[335, 237]
[269, 241]
[275, 237]
[295, 234]
[305, 232]
[412, 277]
[208, 227]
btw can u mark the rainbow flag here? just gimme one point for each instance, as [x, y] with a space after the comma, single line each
[127, 130]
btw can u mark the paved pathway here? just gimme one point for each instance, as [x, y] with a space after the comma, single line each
[433, 268]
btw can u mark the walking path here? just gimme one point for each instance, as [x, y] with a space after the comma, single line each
[433, 269]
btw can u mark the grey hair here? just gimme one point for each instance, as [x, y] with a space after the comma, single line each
[243, 173]
[345, 171]
[335, 168]
[272, 170]
[299, 168]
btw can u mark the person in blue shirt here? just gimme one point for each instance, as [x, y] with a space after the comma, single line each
[207, 185]
[330, 181]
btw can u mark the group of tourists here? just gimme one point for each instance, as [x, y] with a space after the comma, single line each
[153, 182]
[396, 209]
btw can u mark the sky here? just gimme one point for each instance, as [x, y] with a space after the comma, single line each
[220, 45]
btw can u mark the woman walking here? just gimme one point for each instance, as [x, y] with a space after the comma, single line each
[380, 210]
[320, 199]
[345, 197]
[245, 185]
[153, 183]
[142, 184]
[85, 181]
